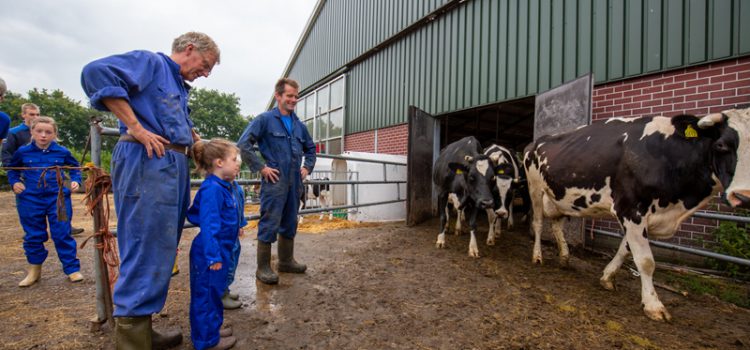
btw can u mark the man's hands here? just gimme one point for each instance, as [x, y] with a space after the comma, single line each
[74, 186]
[152, 142]
[215, 267]
[303, 172]
[270, 174]
[19, 187]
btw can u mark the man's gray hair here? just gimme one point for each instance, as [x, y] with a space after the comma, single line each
[3, 87]
[201, 42]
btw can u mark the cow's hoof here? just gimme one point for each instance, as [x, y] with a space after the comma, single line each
[490, 242]
[474, 254]
[607, 284]
[537, 260]
[658, 313]
[565, 261]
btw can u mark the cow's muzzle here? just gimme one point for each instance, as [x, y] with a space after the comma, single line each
[738, 199]
[502, 213]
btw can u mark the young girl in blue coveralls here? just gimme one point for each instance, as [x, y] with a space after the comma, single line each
[36, 200]
[215, 210]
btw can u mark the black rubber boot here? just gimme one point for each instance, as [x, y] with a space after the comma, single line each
[165, 340]
[264, 273]
[286, 257]
[133, 333]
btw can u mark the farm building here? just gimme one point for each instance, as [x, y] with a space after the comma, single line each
[408, 77]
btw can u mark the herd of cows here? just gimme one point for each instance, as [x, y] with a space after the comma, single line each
[649, 173]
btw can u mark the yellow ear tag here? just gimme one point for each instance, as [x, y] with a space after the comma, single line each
[690, 132]
[459, 171]
[501, 172]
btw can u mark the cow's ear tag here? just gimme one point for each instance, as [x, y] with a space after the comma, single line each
[459, 171]
[501, 171]
[690, 132]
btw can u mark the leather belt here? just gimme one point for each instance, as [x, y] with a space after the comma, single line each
[179, 149]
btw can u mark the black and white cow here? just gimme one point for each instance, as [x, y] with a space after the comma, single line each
[321, 192]
[650, 173]
[507, 176]
[463, 170]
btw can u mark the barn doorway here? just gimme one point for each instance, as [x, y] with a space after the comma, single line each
[512, 124]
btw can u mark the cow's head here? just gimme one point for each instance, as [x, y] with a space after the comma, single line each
[731, 153]
[477, 178]
[506, 175]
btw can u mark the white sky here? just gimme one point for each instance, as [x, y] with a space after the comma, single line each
[44, 44]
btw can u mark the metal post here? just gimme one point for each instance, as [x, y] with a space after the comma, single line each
[101, 276]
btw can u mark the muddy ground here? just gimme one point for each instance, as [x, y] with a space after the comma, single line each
[383, 287]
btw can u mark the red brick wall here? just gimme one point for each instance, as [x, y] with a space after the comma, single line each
[697, 90]
[391, 140]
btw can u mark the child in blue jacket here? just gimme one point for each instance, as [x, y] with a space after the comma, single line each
[215, 211]
[231, 300]
[36, 200]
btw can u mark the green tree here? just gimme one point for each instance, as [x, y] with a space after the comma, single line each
[72, 118]
[216, 114]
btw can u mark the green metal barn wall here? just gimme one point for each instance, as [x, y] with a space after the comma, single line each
[346, 29]
[486, 51]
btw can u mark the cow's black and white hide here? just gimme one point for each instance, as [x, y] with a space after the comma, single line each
[649, 173]
[507, 178]
[320, 192]
[463, 170]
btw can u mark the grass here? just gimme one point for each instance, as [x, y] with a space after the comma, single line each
[737, 294]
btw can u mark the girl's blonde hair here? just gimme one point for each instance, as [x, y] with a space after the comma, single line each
[205, 152]
[44, 120]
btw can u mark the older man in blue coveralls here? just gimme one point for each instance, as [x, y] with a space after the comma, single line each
[150, 175]
[282, 140]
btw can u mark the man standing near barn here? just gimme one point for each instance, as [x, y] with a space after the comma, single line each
[150, 176]
[282, 140]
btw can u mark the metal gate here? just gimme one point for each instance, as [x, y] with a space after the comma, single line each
[421, 154]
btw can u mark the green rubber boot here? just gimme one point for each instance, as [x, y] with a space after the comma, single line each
[264, 273]
[286, 257]
[133, 333]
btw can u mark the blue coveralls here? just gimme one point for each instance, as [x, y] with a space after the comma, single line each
[282, 150]
[151, 195]
[38, 203]
[214, 209]
[239, 197]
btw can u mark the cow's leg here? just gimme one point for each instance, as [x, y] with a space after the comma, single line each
[614, 265]
[536, 225]
[329, 203]
[473, 249]
[636, 236]
[444, 216]
[562, 245]
[299, 217]
[510, 215]
[492, 220]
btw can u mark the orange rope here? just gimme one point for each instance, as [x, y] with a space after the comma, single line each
[98, 179]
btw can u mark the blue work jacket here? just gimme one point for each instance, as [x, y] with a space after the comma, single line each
[33, 156]
[152, 85]
[280, 149]
[215, 210]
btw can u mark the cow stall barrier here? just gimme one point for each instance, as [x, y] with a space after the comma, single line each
[689, 250]
[103, 292]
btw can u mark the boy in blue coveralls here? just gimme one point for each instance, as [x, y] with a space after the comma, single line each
[282, 140]
[231, 300]
[37, 202]
[216, 210]
[148, 93]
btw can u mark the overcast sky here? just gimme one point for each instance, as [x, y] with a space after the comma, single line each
[44, 44]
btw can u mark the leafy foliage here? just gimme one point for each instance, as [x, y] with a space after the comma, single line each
[216, 114]
[733, 240]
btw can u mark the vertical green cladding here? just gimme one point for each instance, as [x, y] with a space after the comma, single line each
[486, 51]
[345, 29]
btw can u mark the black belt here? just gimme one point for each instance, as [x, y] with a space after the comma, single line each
[179, 149]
